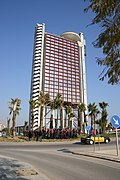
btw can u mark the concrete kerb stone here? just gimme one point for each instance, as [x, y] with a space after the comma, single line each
[104, 156]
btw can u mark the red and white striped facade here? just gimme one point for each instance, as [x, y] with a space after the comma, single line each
[58, 66]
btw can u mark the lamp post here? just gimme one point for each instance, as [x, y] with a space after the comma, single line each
[94, 132]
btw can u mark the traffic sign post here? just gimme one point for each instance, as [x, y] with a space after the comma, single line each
[117, 145]
[115, 121]
[88, 128]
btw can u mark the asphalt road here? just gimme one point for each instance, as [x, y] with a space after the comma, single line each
[58, 163]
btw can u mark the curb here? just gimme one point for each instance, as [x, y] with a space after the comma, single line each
[98, 155]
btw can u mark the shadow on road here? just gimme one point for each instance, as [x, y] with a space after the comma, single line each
[65, 150]
[80, 143]
[77, 143]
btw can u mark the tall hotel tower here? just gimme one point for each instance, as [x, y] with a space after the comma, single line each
[58, 66]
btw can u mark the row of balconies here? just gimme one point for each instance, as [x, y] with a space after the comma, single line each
[38, 35]
[35, 116]
[36, 79]
[37, 45]
[37, 60]
[37, 92]
[35, 87]
[35, 72]
[39, 29]
[35, 83]
[37, 55]
[36, 76]
[36, 110]
[38, 41]
[37, 49]
[36, 69]
[35, 96]
[37, 65]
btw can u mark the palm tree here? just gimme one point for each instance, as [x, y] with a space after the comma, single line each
[58, 106]
[81, 109]
[33, 104]
[52, 105]
[93, 112]
[43, 100]
[109, 126]
[25, 125]
[65, 116]
[14, 107]
[8, 125]
[69, 113]
[103, 119]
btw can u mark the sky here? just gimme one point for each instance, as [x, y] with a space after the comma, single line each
[17, 24]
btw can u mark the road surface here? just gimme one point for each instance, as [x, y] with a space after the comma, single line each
[57, 161]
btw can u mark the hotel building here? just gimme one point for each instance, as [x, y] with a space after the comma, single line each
[58, 66]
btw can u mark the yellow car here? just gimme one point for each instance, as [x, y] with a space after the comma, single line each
[97, 139]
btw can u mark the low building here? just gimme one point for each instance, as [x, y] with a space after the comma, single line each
[2, 126]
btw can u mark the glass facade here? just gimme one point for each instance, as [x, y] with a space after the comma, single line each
[61, 68]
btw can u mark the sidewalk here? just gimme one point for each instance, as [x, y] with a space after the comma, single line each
[110, 155]
[12, 169]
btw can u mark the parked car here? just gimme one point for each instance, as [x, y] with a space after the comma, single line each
[98, 139]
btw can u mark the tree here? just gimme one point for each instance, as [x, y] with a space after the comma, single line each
[93, 112]
[69, 113]
[66, 114]
[14, 106]
[43, 100]
[107, 16]
[109, 127]
[103, 119]
[33, 104]
[52, 105]
[70, 117]
[81, 109]
[8, 125]
[25, 125]
[58, 105]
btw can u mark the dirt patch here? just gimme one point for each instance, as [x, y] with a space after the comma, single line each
[26, 172]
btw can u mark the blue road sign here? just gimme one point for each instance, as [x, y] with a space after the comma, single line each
[88, 128]
[115, 120]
